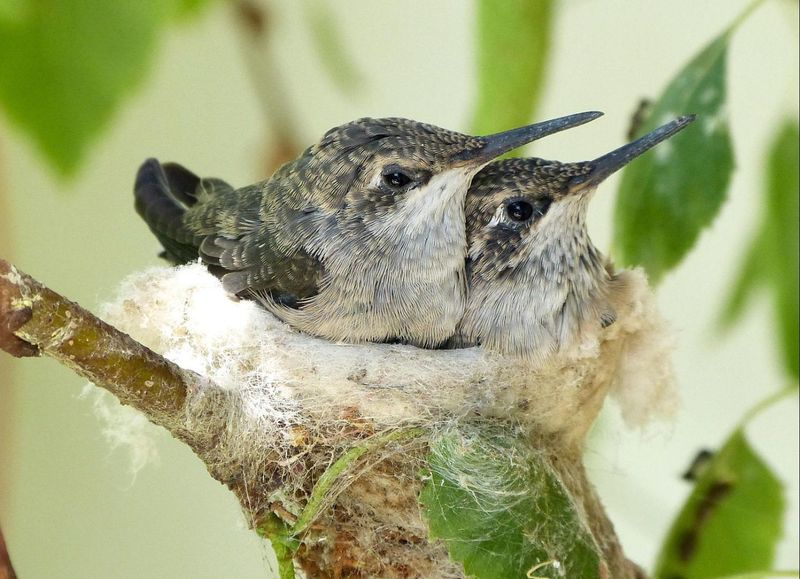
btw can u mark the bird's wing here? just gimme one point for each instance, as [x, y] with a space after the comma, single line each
[255, 239]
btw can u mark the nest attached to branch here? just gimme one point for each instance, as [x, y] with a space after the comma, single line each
[293, 405]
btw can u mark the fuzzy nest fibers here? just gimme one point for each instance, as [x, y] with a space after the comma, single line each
[295, 403]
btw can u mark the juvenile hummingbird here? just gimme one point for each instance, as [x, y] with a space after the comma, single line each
[536, 280]
[362, 238]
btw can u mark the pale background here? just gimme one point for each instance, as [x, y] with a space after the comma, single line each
[70, 507]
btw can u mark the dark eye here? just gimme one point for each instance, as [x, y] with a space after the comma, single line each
[521, 210]
[396, 179]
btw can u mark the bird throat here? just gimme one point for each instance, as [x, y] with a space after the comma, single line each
[557, 288]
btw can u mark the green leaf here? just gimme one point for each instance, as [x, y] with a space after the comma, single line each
[503, 512]
[751, 274]
[783, 225]
[513, 45]
[13, 10]
[773, 259]
[669, 195]
[763, 575]
[66, 65]
[731, 522]
[190, 7]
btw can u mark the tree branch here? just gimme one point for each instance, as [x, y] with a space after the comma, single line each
[362, 535]
[35, 320]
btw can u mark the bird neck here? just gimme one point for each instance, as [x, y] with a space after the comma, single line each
[556, 291]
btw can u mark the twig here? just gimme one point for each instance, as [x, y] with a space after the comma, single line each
[35, 320]
[270, 87]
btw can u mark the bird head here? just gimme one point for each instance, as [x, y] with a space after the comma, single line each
[529, 215]
[399, 174]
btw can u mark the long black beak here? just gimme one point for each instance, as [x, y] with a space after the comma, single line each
[492, 146]
[610, 163]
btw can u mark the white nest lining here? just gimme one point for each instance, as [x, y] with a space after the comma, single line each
[284, 379]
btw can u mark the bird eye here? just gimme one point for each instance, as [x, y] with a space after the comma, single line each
[519, 210]
[396, 179]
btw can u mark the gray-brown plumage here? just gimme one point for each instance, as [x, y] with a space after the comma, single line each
[361, 238]
[536, 281]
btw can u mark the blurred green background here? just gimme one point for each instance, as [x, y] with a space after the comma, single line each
[226, 104]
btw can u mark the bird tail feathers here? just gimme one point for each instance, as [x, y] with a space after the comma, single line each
[163, 193]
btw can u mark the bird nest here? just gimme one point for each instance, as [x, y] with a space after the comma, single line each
[294, 405]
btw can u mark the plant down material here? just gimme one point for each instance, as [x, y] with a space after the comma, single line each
[294, 404]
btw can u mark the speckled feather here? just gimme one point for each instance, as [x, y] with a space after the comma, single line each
[534, 286]
[360, 239]
[537, 284]
[362, 265]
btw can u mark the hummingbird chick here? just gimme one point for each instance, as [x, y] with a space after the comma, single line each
[536, 281]
[361, 238]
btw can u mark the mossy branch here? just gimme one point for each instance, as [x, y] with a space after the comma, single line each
[35, 320]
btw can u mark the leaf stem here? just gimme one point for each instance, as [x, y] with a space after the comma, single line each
[283, 537]
[325, 482]
[764, 404]
[744, 15]
[276, 531]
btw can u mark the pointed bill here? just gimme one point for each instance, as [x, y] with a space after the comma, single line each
[492, 146]
[610, 163]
